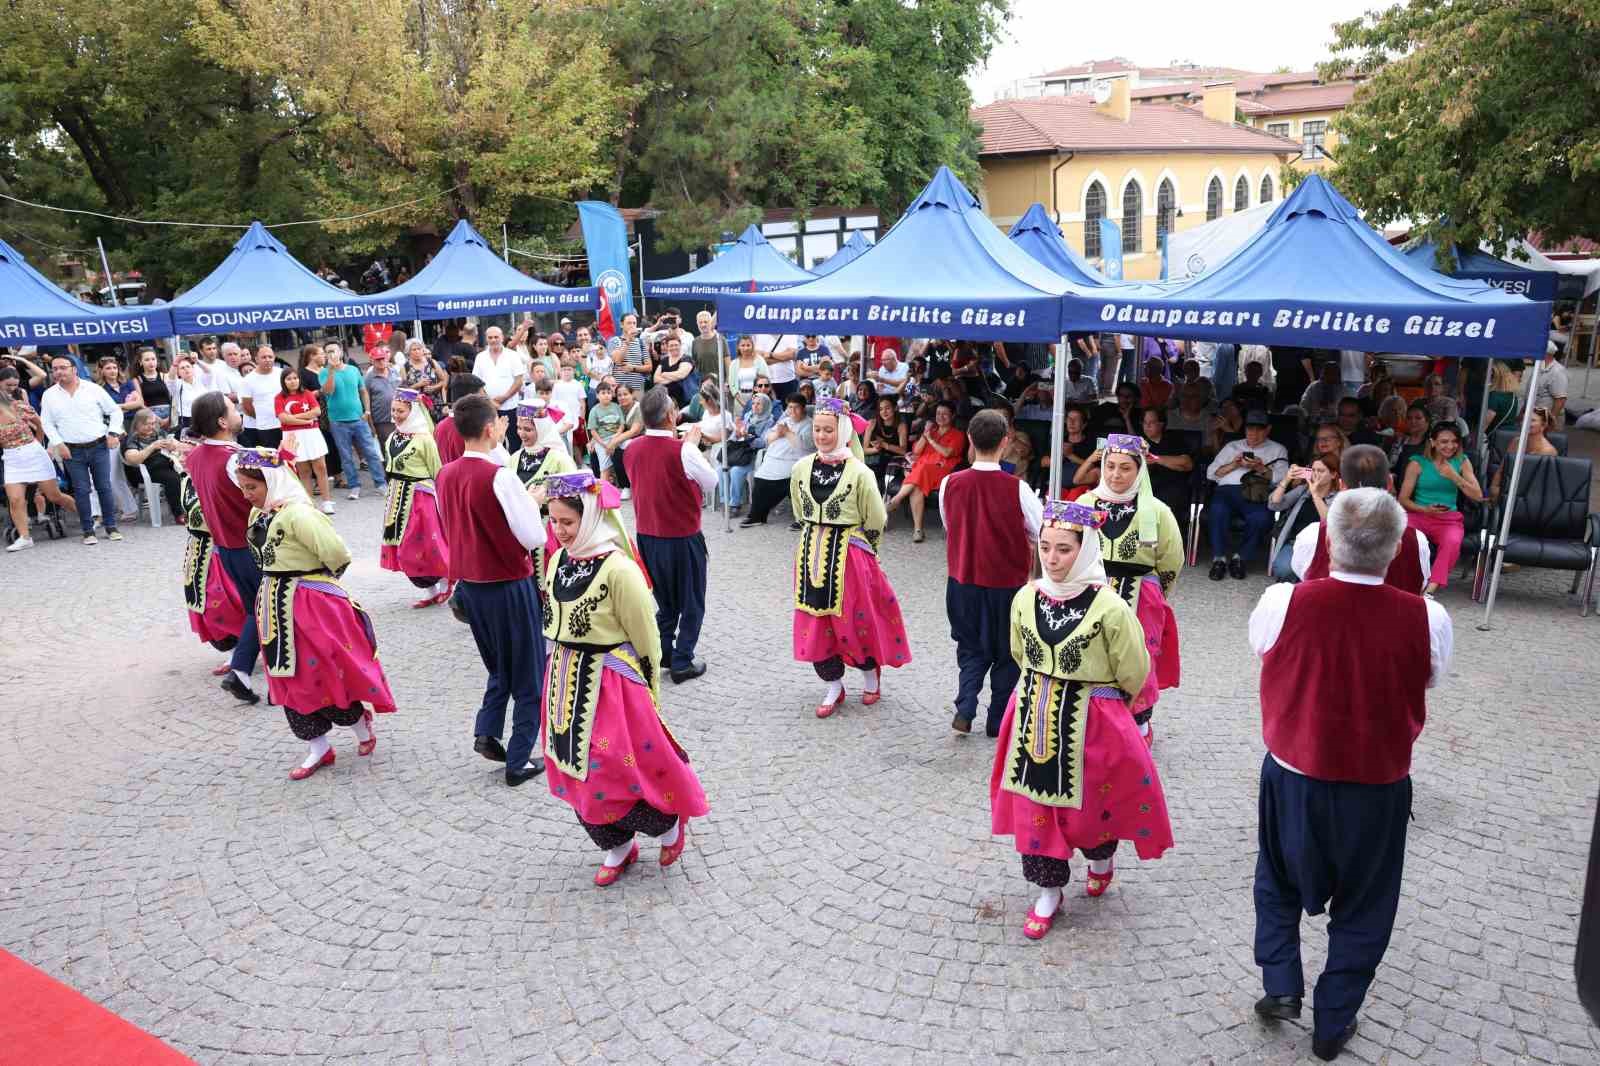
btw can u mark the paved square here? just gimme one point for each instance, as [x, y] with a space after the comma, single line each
[843, 903]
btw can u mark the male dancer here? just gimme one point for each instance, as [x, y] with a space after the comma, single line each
[490, 525]
[215, 421]
[991, 521]
[668, 478]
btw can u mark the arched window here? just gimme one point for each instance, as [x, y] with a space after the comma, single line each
[1213, 199]
[1166, 209]
[1132, 208]
[1266, 188]
[1094, 209]
[1241, 193]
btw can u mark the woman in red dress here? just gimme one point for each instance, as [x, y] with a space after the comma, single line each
[939, 449]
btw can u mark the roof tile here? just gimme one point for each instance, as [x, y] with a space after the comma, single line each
[1058, 123]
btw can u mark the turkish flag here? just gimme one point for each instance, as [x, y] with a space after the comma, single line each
[605, 323]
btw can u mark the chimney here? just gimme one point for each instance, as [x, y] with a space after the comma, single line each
[1219, 102]
[1111, 98]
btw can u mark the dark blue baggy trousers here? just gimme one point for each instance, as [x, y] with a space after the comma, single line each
[677, 567]
[509, 630]
[240, 566]
[980, 624]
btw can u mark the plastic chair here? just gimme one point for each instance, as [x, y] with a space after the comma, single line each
[154, 498]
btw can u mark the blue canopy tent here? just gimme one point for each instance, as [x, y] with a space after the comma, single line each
[35, 311]
[1037, 235]
[848, 253]
[466, 277]
[260, 286]
[751, 265]
[1485, 266]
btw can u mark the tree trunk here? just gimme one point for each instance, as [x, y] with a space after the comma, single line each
[465, 196]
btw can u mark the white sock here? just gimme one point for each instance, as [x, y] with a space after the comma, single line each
[1049, 899]
[315, 750]
[244, 678]
[670, 837]
[869, 680]
[362, 730]
[440, 585]
[616, 855]
[1099, 866]
[835, 690]
[1144, 728]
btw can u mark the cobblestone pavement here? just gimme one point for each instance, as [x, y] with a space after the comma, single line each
[843, 903]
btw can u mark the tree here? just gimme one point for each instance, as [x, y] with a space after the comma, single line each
[1481, 117]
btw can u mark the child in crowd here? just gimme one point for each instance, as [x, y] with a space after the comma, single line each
[825, 386]
[571, 397]
[605, 422]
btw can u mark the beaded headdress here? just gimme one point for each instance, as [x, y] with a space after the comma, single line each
[264, 458]
[408, 395]
[1072, 515]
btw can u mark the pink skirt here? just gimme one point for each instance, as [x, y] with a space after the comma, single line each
[421, 552]
[631, 758]
[1161, 640]
[1122, 796]
[868, 626]
[337, 656]
[223, 618]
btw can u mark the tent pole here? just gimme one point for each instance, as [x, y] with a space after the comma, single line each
[722, 449]
[641, 279]
[1509, 500]
[105, 264]
[1483, 416]
[1058, 404]
[505, 242]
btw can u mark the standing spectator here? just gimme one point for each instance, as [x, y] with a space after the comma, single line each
[1353, 370]
[673, 370]
[745, 369]
[547, 352]
[84, 428]
[1320, 401]
[502, 374]
[709, 350]
[568, 334]
[596, 364]
[1291, 373]
[569, 395]
[1341, 707]
[631, 355]
[1253, 392]
[374, 334]
[299, 412]
[186, 388]
[147, 445]
[27, 464]
[153, 391]
[422, 372]
[259, 396]
[381, 379]
[350, 419]
[1257, 458]
[125, 393]
[604, 423]
[1551, 392]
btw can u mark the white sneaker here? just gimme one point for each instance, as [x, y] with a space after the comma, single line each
[355, 493]
[90, 538]
[627, 494]
[19, 544]
[327, 507]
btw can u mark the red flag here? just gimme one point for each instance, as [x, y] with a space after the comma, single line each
[605, 323]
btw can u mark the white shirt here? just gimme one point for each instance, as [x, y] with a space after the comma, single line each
[1082, 389]
[216, 376]
[498, 375]
[695, 466]
[1032, 508]
[890, 382]
[83, 415]
[1305, 546]
[1268, 451]
[778, 371]
[570, 397]
[262, 390]
[184, 394]
[522, 514]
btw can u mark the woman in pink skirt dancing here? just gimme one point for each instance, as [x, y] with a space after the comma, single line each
[413, 542]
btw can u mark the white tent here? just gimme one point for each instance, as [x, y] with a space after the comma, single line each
[1193, 252]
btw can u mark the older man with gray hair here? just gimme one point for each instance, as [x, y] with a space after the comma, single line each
[1346, 662]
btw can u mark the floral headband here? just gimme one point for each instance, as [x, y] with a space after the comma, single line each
[831, 405]
[408, 395]
[1125, 443]
[265, 458]
[1072, 515]
[570, 486]
[539, 410]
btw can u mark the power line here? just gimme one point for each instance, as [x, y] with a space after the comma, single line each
[228, 225]
[550, 258]
[26, 235]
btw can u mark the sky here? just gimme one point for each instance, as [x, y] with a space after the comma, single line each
[1259, 35]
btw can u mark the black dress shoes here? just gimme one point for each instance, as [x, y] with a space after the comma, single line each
[1235, 568]
[748, 522]
[534, 768]
[239, 690]
[1278, 1008]
[696, 668]
[1219, 570]
[960, 724]
[1328, 1050]
[490, 748]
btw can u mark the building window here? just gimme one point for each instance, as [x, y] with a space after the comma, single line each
[1132, 208]
[1166, 209]
[1312, 133]
[1214, 199]
[1241, 193]
[1280, 128]
[1266, 188]
[1094, 209]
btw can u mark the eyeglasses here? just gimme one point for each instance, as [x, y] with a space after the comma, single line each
[764, 388]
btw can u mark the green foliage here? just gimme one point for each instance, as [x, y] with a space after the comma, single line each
[1482, 117]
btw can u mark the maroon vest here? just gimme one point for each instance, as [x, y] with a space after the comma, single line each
[986, 539]
[448, 440]
[1343, 701]
[666, 503]
[227, 511]
[1405, 572]
[482, 546]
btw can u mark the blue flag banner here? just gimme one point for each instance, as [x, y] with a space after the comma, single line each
[605, 240]
[1110, 249]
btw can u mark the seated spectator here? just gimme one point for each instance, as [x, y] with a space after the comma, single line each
[1171, 463]
[1192, 415]
[1353, 425]
[1016, 456]
[1243, 472]
[1155, 390]
[1228, 425]
[1077, 445]
[1410, 439]
[149, 446]
[1431, 493]
[886, 440]
[1391, 418]
[1315, 483]
[1538, 444]
[787, 442]
[865, 400]
[1321, 398]
[1253, 392]
[744, 448]
[1079, 389]
[1193, 380]
[1123, 417]
[939, 449]
[1373, 393]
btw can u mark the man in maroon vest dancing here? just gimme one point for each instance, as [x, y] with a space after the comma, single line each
[214, 420]
[1346, 662]
[490, 525]
[991, 522]
[1363, 466]
[669, 477]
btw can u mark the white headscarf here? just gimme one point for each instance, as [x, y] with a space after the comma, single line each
[841, 450]
[417, 421]
[283, 486]
[1141, 490]
[597, 534]
[1087, 569]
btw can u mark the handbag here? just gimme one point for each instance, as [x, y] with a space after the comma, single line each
[1255, 488]
[740, 453]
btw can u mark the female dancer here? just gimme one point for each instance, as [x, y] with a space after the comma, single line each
[543, 453]
[413, 542]
[610, 755]
[1143, 552]
[216, 613]
[1070, 772]
[316, 641]
[844, 610]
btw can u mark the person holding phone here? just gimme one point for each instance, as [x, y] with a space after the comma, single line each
[350, 420]
[1434, 483]
[1242, 472]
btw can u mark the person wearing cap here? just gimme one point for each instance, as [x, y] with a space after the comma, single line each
[1141, 548]
[491, 526]
[845, 611]
[1070, 770]
[670, 478]
[318, 644]
[611, 756]
[1257, 454]
[413, 542]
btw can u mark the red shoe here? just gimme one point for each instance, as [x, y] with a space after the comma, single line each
[366, 746]
[1035, 927]
[426, 601]
[670, 852]
[869, 698]
[607, 875]
[444, 597]
[221, 671]
[300, 773]
[825, 710]
[1096, 884]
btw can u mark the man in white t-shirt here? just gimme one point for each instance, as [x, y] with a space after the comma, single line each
[502, 372]
[780, 364]
[890, 377]
[258, 393]
[221, 374]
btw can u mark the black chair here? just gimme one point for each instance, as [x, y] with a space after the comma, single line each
[1503, 439]
[1552, 527]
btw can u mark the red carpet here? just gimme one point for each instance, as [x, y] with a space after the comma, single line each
[45, 1023]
